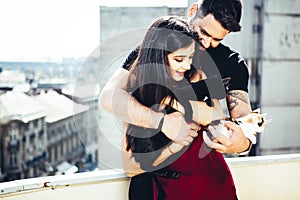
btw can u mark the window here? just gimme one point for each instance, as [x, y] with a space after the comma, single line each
[14, 133]
[13, 161]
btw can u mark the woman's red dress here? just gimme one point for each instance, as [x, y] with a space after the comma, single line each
[204, 175]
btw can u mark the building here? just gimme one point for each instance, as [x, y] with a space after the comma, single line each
[39, 135]
[22, 136]
[65, 137]
[87, 95]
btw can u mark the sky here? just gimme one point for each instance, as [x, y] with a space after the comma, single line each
[49, 30]
[43, 30]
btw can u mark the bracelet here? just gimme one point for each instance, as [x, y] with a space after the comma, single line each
[170, 150]
[161, 122]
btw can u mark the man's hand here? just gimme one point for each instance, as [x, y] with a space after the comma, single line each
[177, 129]
[236, 143]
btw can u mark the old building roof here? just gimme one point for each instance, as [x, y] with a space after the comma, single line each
[58, 106]
[19, 106]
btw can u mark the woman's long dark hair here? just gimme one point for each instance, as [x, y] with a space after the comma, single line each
[150, 80]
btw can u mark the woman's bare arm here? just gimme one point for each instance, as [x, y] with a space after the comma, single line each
[133, 168]
[130, 166]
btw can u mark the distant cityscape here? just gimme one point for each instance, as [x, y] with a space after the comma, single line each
[45, 128]
[67, 68]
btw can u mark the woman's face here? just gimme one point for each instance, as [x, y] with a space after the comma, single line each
[180, 61]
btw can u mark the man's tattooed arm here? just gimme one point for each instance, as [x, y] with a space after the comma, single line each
[234, 99]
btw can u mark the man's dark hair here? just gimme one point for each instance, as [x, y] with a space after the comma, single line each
[227, 12]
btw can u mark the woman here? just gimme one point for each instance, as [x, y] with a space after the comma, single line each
[163, 78]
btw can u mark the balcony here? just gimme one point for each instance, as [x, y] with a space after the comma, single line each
[263, 177]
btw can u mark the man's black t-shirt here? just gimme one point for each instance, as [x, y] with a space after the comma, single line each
[228, 64]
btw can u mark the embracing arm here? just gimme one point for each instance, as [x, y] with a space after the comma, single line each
[202, 113]
[115, 99]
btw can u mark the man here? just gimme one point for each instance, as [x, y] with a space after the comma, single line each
[205, 19]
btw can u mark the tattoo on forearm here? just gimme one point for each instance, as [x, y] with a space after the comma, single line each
[233, 97]
[232, 104]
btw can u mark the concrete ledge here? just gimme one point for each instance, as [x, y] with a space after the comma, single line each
[261, 177]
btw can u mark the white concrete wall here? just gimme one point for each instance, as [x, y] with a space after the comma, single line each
[261, 177]
[280, 69]
[116, 20]
[245, 41]
[280, 95]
